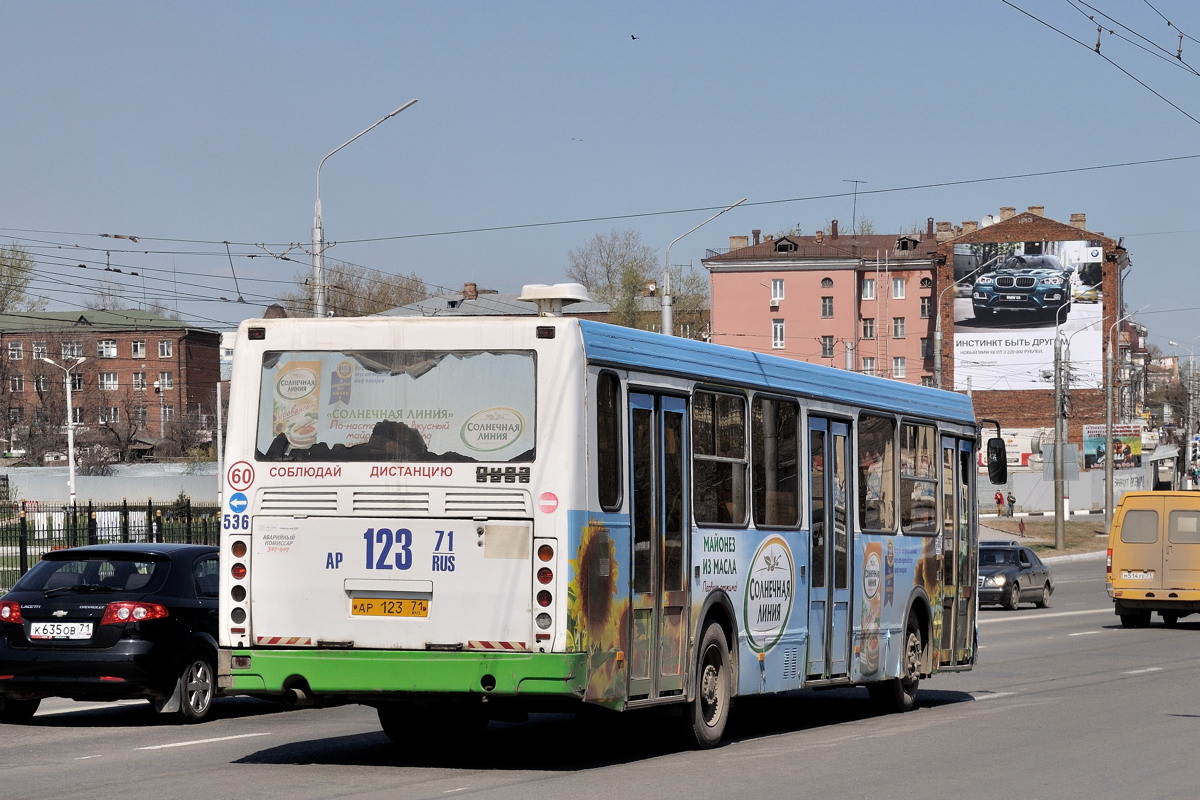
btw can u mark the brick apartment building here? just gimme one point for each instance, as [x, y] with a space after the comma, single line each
[901, 306]
[859, 302]
[144, 381]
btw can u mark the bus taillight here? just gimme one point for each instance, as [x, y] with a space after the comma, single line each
[238, 571]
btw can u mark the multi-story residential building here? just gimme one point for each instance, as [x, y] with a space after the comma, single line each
[137, 379]
[859, 302]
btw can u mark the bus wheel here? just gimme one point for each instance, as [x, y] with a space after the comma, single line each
[708, 712]
[419, 724]
[900, 694]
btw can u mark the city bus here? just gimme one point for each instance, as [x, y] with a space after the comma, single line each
[462, 519]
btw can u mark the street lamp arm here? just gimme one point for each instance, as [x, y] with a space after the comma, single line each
[668, 324]
[355, 137]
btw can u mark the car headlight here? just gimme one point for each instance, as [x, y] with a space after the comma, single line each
[1052, 281]
[985, 282]
[995, 580]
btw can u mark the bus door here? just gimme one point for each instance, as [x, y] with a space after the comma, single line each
[958, 554]
[829, 582]
[658, 518]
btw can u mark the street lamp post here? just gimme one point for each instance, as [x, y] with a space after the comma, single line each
[1187, 458]
[1109, 382]
[318, 232]
[665, 301]
[162, 410]
[70, 423]
[937, 333]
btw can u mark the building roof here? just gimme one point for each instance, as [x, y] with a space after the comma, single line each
[825, 247]
[489, 304]
[92, 320]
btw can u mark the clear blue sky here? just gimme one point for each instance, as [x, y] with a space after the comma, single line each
[542, 124]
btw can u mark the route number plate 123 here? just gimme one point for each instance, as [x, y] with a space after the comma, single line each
[388, 607]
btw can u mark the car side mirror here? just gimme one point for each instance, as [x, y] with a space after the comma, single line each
[997, 461]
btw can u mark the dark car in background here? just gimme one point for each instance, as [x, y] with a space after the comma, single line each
[1011, 574]
[112, 622]
[1038, 285]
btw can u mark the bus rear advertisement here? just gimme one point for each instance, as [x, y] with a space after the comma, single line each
[461, 519]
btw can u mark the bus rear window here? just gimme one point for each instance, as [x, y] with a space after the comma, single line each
[396, 405]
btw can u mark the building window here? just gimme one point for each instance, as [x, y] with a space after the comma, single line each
[137, 349]
[926, 283]
[868, 328]
[926, 307]
[166, 380]
[164, 348]
[898, 367]
[16, 351]
[897, 327]
[826, 283]
[108, 381]
[139, 380]
[72, 350]
[168, 412]
[76, 415]
[41, 383]
[927, 380]
[826, 308]
[776, 290]
[868, 365]
[777, 334]
[16, 383]
[106, 348]
[16, 415]
[110, 415]
[868, 289]
[76, 382]
[40, 351]
[926, 347]
[898, 288]
[826, 347]
[139, 415]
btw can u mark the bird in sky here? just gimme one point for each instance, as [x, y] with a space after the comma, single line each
[631, 36]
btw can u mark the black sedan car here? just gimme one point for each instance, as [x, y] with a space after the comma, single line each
[109, 622]
[1011, 574]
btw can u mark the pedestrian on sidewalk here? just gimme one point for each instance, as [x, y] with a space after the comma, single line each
[1021, 527]
[999, 503]
[1012, 503]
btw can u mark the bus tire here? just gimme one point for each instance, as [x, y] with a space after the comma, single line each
[421, 725]
[708, 712]
[900, 694]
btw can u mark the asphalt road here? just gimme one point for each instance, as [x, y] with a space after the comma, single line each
[1064, 704]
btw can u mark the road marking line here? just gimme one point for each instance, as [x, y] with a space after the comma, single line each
[1144, 671]
[993, 696]
[205, 741]
[984, 620]
[1084, 633]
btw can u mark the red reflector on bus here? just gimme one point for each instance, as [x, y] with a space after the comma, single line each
[238, 571]
[545, 575]
[545, 332]
[256, 333]
[545, 552]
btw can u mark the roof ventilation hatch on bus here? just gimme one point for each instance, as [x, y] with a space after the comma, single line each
[551, 299]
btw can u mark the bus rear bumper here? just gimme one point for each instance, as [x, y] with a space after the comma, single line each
[365, 675]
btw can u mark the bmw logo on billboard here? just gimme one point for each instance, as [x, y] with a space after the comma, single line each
[238, 502]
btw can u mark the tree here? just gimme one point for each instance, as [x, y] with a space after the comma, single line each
[354, 291]
[621, 271]
[16, 273]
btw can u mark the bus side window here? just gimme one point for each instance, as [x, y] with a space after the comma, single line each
[609, 450]
[719, 458]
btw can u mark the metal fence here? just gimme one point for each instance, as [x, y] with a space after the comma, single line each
[30, 528]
